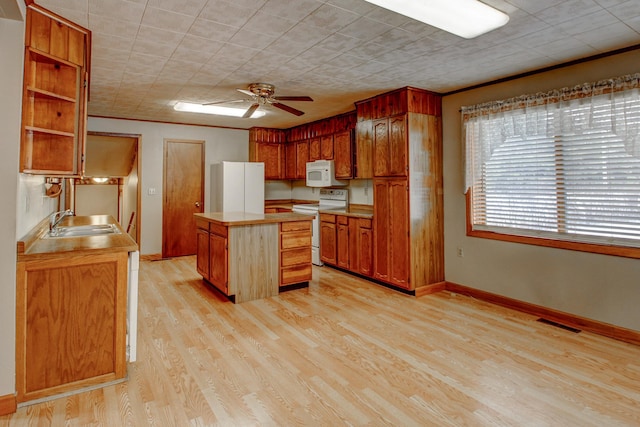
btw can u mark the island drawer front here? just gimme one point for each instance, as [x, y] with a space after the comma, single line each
[296, 226]
[364, 223]
[218, 229]
[203, 224]
[295, 256]
[343, 219]
[297, 274]
[295, 239]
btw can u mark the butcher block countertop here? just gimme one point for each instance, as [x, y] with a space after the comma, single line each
[36, 244]
[230, 219]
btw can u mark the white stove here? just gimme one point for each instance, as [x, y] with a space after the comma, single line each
[330, 198]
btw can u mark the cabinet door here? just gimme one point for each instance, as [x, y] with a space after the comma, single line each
[302, 154]
[343, 155]
[342, 245]
[290, 161]
[328, 247]
[381, 147]
[381, 230]
[398, 145]
[365, 254]
[354, 246]
[202, 252]
[218, 267]
[326, 147]
[270, 155]
[399, 233]
[314, 149]
[364, 149]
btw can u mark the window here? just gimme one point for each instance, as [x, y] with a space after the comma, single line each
[560, 169]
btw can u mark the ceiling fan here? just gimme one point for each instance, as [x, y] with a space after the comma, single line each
[263, 94]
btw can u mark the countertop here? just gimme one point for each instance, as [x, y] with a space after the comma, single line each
[245, 218]
[34, 245]
[287, 203]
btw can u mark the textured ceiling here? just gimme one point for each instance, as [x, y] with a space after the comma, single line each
[148, 54]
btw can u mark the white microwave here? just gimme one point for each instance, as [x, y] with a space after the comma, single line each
[321, 173]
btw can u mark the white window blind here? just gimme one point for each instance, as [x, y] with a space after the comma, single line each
[563, 165]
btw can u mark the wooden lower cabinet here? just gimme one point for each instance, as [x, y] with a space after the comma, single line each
[71, 323]
[202, 250]
[219, 261]
[391, 232]
[347, 242]
[295, 252]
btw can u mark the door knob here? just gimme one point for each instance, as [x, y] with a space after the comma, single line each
[197, 204]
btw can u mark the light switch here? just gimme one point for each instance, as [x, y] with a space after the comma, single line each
[152, 191]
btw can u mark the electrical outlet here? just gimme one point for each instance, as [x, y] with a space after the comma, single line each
[366, 191]
[460, 252]
[152, 191]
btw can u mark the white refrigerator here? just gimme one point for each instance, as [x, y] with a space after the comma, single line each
[237, 187]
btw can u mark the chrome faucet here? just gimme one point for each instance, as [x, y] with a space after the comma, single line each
[55, 218]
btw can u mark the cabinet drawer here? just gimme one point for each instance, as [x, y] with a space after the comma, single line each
[364, 223]
[295, 239]
[295, 256]
[342, 219]
[202, 224]
[296, 274]
[218, 229]
[327, 218]
[296, 225]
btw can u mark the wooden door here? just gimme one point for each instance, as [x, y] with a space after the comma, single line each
[381, 147]
[269, 154]
[343, 155]
[398, 144]
[381, 230]
[399, 232]
[183, 190]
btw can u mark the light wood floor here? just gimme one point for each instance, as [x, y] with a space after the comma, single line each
[348, 352]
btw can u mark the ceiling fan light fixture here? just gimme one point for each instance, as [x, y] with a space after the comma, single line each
[464, 18]
[190, 107]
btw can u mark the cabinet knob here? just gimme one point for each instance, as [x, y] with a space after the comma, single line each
[197, 204]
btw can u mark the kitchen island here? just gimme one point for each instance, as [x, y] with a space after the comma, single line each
[250, 256]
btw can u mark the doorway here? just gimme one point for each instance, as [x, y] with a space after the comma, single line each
[183, 190]
[111, 181]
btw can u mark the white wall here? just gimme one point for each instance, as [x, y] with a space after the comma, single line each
[599, 287]
[220, 144]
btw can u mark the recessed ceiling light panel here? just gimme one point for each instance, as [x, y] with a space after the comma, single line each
[214, 109]
[464, 18]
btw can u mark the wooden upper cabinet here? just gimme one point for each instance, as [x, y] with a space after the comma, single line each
[314, 149]
[290, 161]
[302, 156]
[326, 147]
[54, 103]
[343, 155]
[364, 149]
[390, 147]
[268, 146]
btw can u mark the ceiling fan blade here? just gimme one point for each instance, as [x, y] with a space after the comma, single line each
[250, 111]
[287, 108]
[225, 102]
[293, 98]
[246, 92]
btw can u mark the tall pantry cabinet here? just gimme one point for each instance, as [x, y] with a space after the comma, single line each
[403, 131]
[56, 72]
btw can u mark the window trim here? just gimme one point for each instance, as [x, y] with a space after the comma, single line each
[614, 250]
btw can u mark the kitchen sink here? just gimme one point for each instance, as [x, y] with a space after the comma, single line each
[83, 230]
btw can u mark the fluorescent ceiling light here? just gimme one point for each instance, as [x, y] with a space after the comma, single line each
[214, 109]
[464, 18]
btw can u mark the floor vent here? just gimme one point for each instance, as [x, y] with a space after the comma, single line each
[558, 325]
